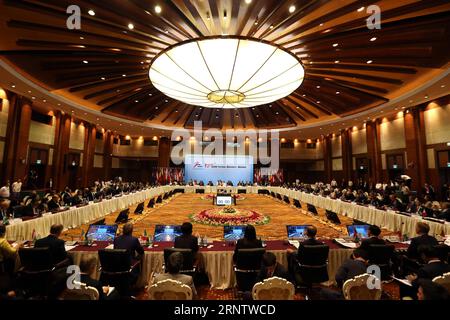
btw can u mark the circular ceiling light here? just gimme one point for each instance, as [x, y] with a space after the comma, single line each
[226, 72]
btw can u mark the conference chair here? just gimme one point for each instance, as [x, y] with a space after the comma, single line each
[36, 270]
[381, 255]
[279, 197]
[273, 194]
[151, 203]
[357, 288]
[312, 266]
[286, 199]
[311, 208]
[188, 259]
[166, 196]
[443, 280]
[169, 290]
[83, 292]
[159, 199]
[443, 252]
[116, 269]
[140, 208]
[297, 204]
[274, 288]
[247, 267]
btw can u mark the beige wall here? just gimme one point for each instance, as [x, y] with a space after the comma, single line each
[77, 132]
[301, 152]
[337, 164]
[99, 145]
[42, 133]
[336, 146]
[98, 161]
[136, 149]
[437, 124]
[359, 143]
[4, 117]
[392, 134]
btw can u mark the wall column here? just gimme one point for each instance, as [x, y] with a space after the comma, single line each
[347, 160]
[327, 161]
[107, 154]
[164, 152]
[61, 149]
[415, 143]
[88, 155]
[373, 150]
[17, 135]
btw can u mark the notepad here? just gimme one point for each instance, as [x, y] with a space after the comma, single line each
[294, 243]
[404, 281]
[345, 243]
[68, 248]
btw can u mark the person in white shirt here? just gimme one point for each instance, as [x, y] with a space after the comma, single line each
[16, 188]
[4, 191]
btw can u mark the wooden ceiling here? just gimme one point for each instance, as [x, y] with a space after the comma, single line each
[414, 38]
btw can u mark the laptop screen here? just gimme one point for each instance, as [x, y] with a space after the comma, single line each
[361, 229]
[296, 231]
[101, 232]
[166, 232]
[233, 233]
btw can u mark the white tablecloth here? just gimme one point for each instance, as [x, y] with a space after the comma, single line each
[75, 217]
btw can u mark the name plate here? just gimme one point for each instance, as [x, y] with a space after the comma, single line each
[46, 214]
[15, 221]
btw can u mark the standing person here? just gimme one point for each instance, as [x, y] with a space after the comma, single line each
[16, 189]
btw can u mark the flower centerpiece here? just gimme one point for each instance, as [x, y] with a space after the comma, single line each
[229, 216]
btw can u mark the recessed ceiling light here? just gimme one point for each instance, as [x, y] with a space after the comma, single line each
[59, 104]
[369, 61]
[256, 23]
[91, 12]
[44, 100]
[291, 9]
[411, 101]
[442, 86]
[13, 86]
[156, 108]
[103, 78]
[335, 44]
[130, 26]
[271, 27]
[318, 87]
[166, 101]
[148, 55]
[136, 101]
[73, 111]
[337, 92]
[317, 101]
[373, 38]
[326, 31]
[248, 1]
[303, 95]
[124, 75]
[321, 25]
[150, 94]
[81, 38]
[158, 9]
[85, 61]
[336, 61]
[29, 91]
[426, 97]
[360, 9]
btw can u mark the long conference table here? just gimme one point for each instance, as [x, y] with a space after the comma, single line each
[218, 255]
[75, 217]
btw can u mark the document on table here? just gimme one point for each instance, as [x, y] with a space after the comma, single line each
[68, 248]
[404, 281]
[295, 243]
[345, 243]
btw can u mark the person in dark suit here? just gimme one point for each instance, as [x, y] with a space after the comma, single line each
[128, 242]
[55, 245]
[186, 240]
[350, 268]
[423, 239]
[311, 240]
[374, 238]
[271, 268]
[87, 267]
[429, 290]
[53, 204]
[432, 268]
[249, 240]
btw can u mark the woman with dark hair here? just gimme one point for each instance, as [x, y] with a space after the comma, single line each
[249, 240]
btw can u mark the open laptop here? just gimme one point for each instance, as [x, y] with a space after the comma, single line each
[98, 232]
[233, 233]
[166, 232]
[361, 229]
[296, 232]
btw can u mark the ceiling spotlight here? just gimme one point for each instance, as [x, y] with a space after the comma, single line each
[91, 12]
[442, 86]
[166, 101]
[81, 38]
[13, 86]
[337, 92]
[426, 97]
[158, 9]
[336, 61]
[369, 61]
[124, 75]
[291, 9]
[150, 94]
[335, 44]
[248, 1]
[85, 61]
[303, 95]
[130, 26]
[317, 101]
[360, 9]
[318, 87]
[136, 101]
[44, 100]
[33, 98]
[373, 39]
[271, 26]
